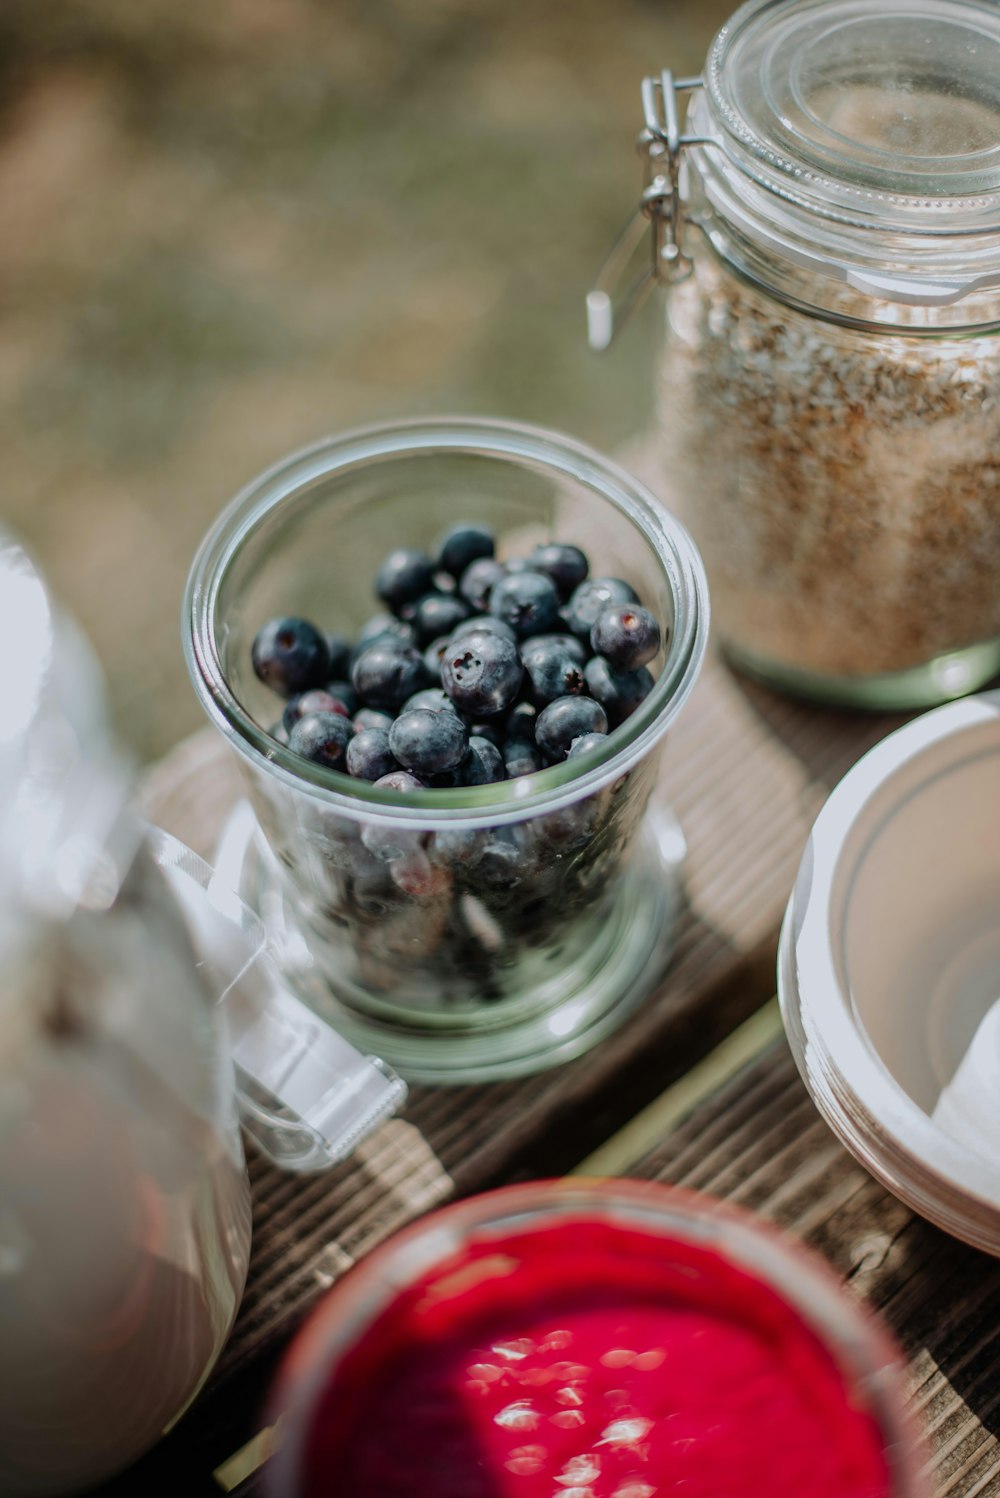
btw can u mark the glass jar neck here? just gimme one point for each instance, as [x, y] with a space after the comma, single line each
[827, 263]
[847, 155]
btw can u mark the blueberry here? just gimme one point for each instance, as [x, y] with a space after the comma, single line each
[314, 701]
[463, 545]
[566, 719]
[620, 692]
[591, 598]
[385, 840]
[433, 655]
[520, 724]
[378, 627]
[403, 577]
[483, 765]
[490, 729]
[574, 648]
[507, 858]
[435, 615]
[484, 621]
[433, 698]
[429, 743]
[586, 743]
[345, 694]
[371, 891]
[322, 738]
[290, 655]
[521, 757]
[566, 565]
[400, 780]
[550, 672]
[369, 756]
[482, 673]
[445, 780]
[460, 847]
[370, 717]
[339, 650]
[627, 635]
[564, 831]
[417, 877]
[478, 580]
[515, 566]
[388, 672]
[527, 601]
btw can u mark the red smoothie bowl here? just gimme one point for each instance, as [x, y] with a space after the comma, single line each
[593, 1340]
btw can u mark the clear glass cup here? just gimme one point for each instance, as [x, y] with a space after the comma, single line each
[459, 934]
[827, 220]
[859, 1345]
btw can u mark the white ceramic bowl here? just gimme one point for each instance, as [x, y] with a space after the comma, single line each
[889, 966]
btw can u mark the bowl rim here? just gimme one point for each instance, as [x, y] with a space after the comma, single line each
[853, 1332]
[510, 801]
[858, 1095]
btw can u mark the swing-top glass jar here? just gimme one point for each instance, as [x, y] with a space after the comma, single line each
[830, 388]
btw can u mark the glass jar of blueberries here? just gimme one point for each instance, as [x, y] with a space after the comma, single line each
[455, 860]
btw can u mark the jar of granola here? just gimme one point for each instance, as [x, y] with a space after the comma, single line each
[828, 219]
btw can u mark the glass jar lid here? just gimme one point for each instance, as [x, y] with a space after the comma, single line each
[886, 114]
[842, 154]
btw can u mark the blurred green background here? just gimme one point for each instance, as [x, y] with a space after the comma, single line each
[231, 228]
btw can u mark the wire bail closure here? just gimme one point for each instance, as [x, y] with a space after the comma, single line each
[660, 143]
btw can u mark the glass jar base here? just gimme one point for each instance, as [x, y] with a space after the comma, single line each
[554, 1020]
[941, 680]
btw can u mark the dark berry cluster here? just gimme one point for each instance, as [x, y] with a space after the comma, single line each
[482, 671]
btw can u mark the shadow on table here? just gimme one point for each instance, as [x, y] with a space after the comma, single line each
[827, 741]
[545, 1125]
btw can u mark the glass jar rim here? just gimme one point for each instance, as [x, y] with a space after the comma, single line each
[510, 801]
[863, 1347]
[779, 76]
[793, 167]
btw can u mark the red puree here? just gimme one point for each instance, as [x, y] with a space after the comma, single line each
[585, 1360]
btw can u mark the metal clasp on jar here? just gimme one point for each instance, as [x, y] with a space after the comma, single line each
[660, 211]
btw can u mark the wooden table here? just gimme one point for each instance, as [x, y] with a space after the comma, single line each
[698, 1088]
